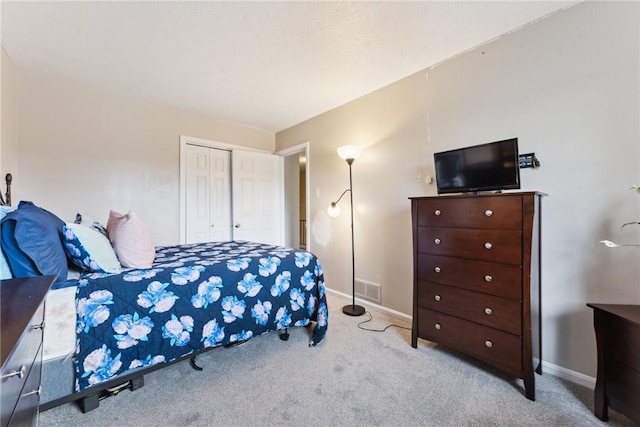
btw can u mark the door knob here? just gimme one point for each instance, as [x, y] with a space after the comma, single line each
[237, 225]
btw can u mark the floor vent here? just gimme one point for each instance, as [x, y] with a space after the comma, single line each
[369, 291]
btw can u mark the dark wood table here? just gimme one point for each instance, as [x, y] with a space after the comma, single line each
[617, 328]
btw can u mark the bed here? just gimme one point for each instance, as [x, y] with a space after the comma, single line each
[105, 330]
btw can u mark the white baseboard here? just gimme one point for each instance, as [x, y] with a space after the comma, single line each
[568, 374]
[547, 367]
[372, 306]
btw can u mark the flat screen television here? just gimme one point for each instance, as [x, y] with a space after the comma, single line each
[486, 167]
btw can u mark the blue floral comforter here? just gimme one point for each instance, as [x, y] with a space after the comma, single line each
[194, 297]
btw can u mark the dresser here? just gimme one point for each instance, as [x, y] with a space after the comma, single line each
[617, 328]
[21, 326]
[476, 280]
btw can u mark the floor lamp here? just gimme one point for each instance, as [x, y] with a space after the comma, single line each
[349, 153]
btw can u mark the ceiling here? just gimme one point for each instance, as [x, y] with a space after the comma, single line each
[264, 64]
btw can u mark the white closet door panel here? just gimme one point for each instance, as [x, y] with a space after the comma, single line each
[257, 197]
[208, 206]
[220, 182]
[197, 194]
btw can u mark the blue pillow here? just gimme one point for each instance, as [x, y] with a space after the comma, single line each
[31, 241]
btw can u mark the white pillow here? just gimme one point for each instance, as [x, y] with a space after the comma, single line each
[89, 249]
[131, 240]
[5, 271]
[87, 221]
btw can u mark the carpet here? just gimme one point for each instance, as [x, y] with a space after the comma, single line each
[353, 378]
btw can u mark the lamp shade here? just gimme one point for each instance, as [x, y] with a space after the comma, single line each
[349, 152]
[333, 210]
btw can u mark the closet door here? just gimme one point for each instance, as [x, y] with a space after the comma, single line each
[208, 194]
[257, 194]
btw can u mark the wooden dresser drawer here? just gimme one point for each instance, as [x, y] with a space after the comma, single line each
[496, 312]
[495, 212]
[504, 280]
[480, 341]
[623, 342]
[27, 406]
[623, 389]
[22, 358]
[500, 246]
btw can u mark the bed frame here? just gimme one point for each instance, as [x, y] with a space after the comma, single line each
[89, 398]
[6, 200]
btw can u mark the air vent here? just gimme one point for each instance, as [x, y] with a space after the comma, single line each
[369, 291]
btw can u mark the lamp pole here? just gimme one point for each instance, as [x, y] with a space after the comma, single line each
[353, 309]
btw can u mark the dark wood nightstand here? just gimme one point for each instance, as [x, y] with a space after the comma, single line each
[618, 338]
[21, 333]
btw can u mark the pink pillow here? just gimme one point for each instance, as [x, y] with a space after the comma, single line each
[131, 240]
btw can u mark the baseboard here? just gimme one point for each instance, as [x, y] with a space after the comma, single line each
[372, 306]
[568, 374]
[547, 367]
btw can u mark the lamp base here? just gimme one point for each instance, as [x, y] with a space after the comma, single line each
[353, 310]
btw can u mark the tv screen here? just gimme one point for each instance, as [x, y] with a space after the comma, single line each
[485, 167]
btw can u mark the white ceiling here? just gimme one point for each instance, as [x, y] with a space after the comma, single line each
[268, 65]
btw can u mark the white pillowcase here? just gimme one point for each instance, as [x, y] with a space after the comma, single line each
[131, 240]
[92, 243]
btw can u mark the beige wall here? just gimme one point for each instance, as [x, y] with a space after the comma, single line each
[568, 88]
[8, 121]
[87, 150]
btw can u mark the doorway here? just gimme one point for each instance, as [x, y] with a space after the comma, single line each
[296, 195]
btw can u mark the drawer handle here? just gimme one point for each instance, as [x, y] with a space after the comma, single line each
[438, 212]
[438, 326]
[40, 326]
[36, 391]
[488, 310]
[488, 278]
[489, 344]
[437, 297]
[437, 269]
[488, 212]
[20, 373]
[488, 245]
[437, 241]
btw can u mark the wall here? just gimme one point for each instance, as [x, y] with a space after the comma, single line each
[8, 121]
[568, 88]
[86, 150]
